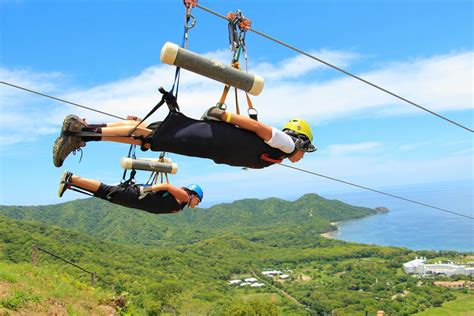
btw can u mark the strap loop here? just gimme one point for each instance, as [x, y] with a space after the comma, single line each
[267, 158]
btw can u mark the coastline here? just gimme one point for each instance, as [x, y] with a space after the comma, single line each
[332, 234]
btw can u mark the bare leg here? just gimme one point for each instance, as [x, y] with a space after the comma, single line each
[262, 130]
[120, 134]
[86, 184]
[126, 123]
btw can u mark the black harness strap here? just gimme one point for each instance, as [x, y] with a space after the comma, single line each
[170, 101]
[80, 191]
[131, 154]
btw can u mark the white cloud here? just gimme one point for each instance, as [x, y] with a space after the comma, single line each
[345, 149]
[296, 67]
[440, 83]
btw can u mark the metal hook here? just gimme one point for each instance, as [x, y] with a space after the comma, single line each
[221, 106]
[188, 17]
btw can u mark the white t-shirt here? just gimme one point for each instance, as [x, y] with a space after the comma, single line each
[282, 141]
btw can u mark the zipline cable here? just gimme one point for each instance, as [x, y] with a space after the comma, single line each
[376, 191]
[339, 69]
[281, 164]
[61, 100]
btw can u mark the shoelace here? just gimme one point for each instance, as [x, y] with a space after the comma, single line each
[79, 149]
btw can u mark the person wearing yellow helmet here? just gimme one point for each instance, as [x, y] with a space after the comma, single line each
[222, 136]
[295, 139]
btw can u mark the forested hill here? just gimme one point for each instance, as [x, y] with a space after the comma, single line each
[326, 275]
[105, 220]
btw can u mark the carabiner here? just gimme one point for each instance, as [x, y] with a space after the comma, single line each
[254, 115]
[189, 17]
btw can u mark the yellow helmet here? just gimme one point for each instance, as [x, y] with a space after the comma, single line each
[301, 133]
[300, 127]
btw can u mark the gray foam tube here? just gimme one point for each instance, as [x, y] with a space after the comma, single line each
[149, 165]
[172, 54]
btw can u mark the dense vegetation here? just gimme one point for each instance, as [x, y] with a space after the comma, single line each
[115, 223]
[183, 262]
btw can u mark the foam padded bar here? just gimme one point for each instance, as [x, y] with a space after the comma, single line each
[149, 165]
[172, 54]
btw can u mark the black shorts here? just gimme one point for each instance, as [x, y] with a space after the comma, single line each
[118, 194]
[154, 125]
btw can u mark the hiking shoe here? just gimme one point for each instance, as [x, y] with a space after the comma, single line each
[73, 123]
[66, 178]
[63, 146]
[212, 114]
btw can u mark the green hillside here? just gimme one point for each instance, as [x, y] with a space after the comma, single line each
[115, 223]
[463, 305]
[182, 263]
[44, 290]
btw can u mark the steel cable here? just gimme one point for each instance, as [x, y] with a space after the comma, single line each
[341, 70]
[376, 191]
[291, 167]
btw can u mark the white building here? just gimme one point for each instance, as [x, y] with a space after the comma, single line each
[271, 272]
[234, 282]
[257, 285]
[419, 266]
[414, 266]
[245, 284]
[250, 280]
[284, 276]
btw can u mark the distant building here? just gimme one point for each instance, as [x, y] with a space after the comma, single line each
[454, 284]
[233, 282]
[250, 280]
[284, 276]
[414, 266]
[272, 272]
[245, 283]
[419, 266]
[257, 285]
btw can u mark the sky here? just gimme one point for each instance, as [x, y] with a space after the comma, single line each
[105, 55]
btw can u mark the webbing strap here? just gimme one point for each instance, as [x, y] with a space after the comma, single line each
[224, 95]
[131, 154]
[253, 116]
[237, 109]
[80, 191]
[266, 158]
[184, 43]
[170, 101]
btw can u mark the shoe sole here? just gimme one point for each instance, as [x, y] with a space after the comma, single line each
[58, 144]
[62, 184]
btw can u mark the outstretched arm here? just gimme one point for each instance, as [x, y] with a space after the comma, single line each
[179, 194]
[262, 130]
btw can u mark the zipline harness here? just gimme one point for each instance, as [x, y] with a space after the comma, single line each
[238, 26]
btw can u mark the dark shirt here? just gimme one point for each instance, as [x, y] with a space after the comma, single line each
[222, 142]
[158, 202]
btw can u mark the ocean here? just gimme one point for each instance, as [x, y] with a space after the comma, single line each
[413, 226]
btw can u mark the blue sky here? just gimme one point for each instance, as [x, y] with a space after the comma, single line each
[105, 54]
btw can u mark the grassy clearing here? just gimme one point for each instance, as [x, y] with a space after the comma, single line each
[26, 289]
[462, 306]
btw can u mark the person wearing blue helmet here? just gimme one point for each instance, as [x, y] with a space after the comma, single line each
[163, 198]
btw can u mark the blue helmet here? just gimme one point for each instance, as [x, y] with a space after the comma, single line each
[197, 190]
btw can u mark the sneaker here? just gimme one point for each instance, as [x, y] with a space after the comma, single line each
[73, 123]
[63, 146]
[212, 114]
[64, 184]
